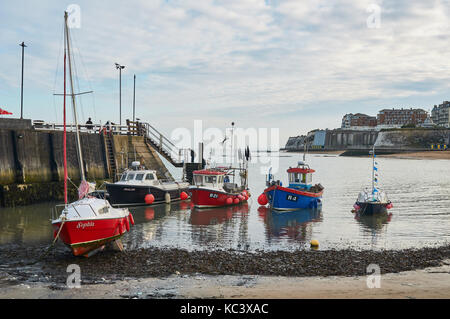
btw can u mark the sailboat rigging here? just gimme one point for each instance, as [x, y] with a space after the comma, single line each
[89, 223]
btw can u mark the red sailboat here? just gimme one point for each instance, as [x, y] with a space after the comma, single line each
[89, 223]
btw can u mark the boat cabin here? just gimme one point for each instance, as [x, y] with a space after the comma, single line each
[217, 179]
[138, 176]
[209, 178]
[301, 176]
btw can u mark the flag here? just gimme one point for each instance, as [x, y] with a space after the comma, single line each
[376, 163]
[4, 112]
[375, 191]
[376, 169]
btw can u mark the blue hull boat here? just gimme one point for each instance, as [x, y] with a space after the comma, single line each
[281, 198]
[300, 193]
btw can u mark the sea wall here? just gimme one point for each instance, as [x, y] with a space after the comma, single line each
[355, 142]
[32, 168]
[411, 139]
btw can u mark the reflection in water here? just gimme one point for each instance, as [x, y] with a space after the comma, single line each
[373, 224]
[214, 226]
[26, 224]
[294, 225]
[213, 216]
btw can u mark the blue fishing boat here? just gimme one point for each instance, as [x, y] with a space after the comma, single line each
[300, 193]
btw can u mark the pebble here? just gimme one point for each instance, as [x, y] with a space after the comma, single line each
[169, 261]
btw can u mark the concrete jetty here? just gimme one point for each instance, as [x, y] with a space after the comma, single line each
[31, 157]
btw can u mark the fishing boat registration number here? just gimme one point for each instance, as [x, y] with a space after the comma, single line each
[292, 198]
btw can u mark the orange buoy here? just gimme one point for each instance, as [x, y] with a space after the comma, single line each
[149, 199]
[262, 199]
[184, 196]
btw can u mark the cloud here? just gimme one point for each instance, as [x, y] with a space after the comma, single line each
[263, 63]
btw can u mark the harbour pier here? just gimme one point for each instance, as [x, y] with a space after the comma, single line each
[31, 156]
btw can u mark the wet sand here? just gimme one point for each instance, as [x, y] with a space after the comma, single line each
[175, 273]
[427, 283]
[421, 155]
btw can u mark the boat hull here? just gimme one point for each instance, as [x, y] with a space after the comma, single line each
[208, 198]
[371, 208]
[287, 199]
[128, 195]
[84, 236]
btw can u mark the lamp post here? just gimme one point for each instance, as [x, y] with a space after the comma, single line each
[21, 89]
[134, 99]
[120, 68]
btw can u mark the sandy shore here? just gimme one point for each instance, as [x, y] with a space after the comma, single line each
[421, 155]
[440, 155]
[426, 283]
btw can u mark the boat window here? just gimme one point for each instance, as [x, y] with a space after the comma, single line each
[149, 177]
[139, 177]
[297, 178]
[130, 177]
[210, 179]
[304, 178]
[124, 177]
[198, 179]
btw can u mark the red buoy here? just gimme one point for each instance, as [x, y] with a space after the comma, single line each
[149, 199]
[262, 199]
[229, 201]
[184, 196]
[236, 200]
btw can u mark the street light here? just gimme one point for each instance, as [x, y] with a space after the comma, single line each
[120, 68]
[21, 90]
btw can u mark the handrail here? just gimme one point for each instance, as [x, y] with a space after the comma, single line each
[162, 143]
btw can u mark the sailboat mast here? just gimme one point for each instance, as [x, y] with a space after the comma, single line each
[373, 170]
[65, 131]
[80, 156]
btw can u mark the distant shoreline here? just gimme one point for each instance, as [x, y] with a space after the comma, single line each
[440, 155]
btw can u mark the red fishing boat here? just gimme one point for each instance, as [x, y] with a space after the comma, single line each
[89, 223]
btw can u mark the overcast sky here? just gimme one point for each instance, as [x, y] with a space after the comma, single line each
[292, 65]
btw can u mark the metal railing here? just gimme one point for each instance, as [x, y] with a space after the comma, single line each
[161, 143]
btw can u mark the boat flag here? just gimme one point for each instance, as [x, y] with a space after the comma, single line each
[375, 168]
[4, 112]
[375, 190]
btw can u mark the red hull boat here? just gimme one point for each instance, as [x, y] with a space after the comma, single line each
[90, 223]
[212, 188]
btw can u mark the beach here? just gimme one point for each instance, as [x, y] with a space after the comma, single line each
[427, 283]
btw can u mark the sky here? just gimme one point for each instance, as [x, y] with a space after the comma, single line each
[287, 64]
